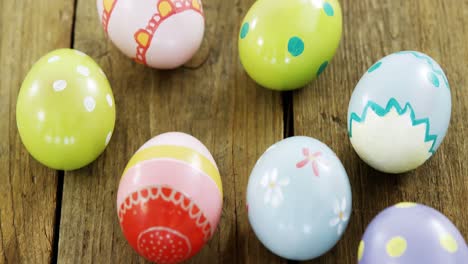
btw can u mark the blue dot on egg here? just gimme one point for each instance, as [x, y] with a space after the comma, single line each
[328, 8]
[295, 46]
[244, 30]
[322, 68]
[375, 67]
[433, 79]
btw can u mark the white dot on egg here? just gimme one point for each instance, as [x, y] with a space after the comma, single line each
[109, 100]
[53, 59]
[102, 72]
[89, 103]
[108, 138]
[80, 53]
[83, 70]
[59, 85]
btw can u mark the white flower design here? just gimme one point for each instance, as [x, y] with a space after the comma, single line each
[341, 215]
[273, 194]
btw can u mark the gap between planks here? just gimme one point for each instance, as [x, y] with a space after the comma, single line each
[61, 173]
[58, 214]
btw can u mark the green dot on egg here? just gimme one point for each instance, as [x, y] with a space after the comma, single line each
[295, 46]
[244, 30]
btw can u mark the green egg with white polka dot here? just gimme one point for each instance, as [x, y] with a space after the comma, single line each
[283, 45]
[65, 111]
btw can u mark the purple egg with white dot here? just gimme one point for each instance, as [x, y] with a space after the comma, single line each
[410, 233]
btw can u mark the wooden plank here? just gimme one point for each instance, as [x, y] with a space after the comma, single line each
[28, 189]
[373, 29]
[215, 102]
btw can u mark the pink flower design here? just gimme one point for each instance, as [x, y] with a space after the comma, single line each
[313, 158]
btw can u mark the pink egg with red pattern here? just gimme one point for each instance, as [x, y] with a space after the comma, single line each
[170, 198]
[162, 34]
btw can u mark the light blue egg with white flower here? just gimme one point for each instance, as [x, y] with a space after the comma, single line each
[299, 198]
[399, 112]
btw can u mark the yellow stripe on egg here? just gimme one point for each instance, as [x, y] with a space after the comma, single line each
[108, 5]
[180, 153]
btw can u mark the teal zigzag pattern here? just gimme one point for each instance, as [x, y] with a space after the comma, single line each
[429, 61]
[393, 103]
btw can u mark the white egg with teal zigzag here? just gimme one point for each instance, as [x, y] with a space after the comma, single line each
[382, 136]
[399, 112]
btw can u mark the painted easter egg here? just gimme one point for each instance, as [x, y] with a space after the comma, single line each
[399, 112]
[299, 198]
[409, 233]
[283, 45]
[162, 34]
[170, 197]
[65, 111]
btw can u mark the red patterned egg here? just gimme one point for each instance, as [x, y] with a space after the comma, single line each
[170, 198]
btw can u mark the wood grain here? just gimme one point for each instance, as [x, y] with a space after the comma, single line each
[27, 189]
[373, 29]
[213, 99]
[216, 103]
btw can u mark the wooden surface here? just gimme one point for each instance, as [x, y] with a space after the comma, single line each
[51, 216]
[28, 190]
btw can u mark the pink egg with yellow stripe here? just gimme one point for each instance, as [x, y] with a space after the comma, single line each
[162, 34]
[170, 198]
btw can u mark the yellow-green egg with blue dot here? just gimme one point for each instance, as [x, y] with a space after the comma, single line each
[409, 233]
[65, 111]
[283, 45]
